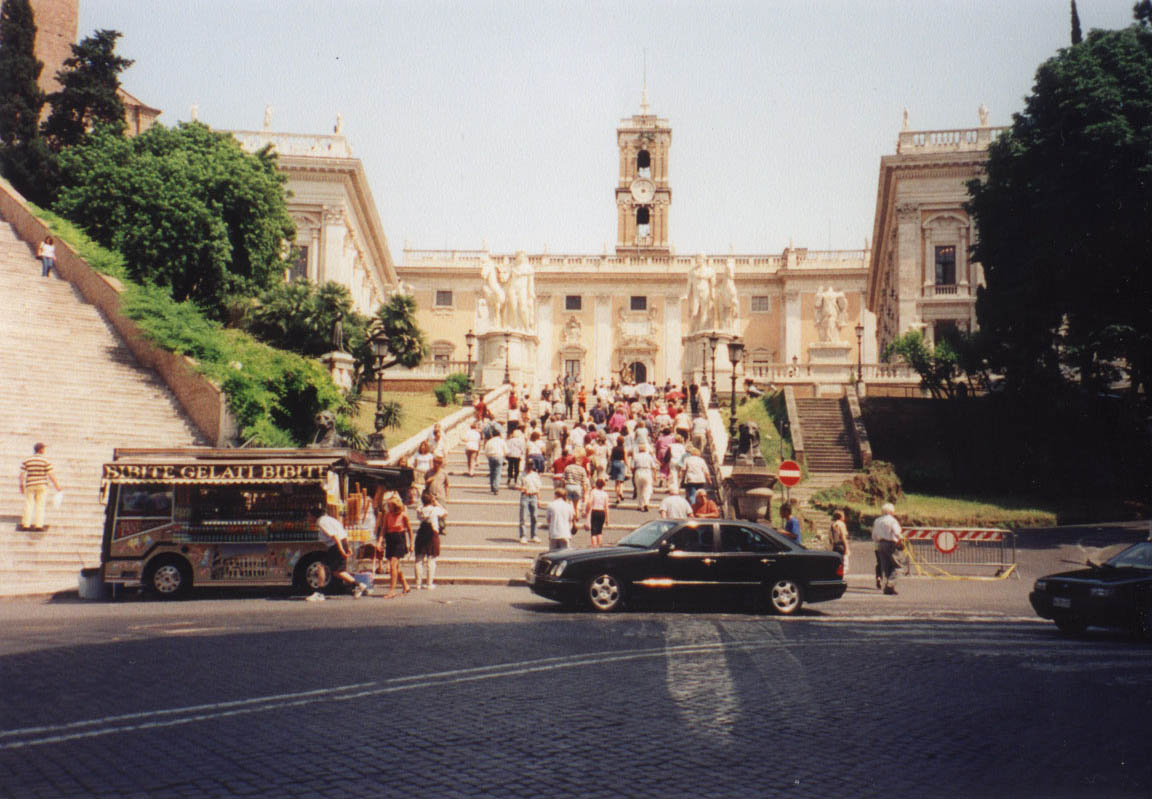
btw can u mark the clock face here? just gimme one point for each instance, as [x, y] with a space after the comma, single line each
[643, 190]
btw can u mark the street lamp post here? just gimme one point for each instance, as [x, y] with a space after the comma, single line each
[469, 339]
[712, 403]
[379, 342]
[507, 375]
[859, 352]
[703, 363]
[735, 351]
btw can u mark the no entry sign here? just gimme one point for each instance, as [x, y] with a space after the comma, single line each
[789, 473]
[946, 542]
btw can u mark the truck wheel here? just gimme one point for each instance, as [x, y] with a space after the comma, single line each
[169, 577]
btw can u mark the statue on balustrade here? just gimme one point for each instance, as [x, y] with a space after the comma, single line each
[831, 314]
[702, 294]
[521, 295]
[508, 293]
[492, 290]
[727, 302]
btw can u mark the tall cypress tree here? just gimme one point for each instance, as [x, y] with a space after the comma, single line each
[1077, 37]
[89, 82]
[20, 97]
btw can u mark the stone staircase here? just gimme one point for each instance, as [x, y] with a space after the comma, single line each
[827, 435]
[69, 382]
[482, 543]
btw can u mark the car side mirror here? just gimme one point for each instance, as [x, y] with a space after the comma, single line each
[665, 547]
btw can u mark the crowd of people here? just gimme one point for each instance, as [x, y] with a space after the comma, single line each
[618, 441]
[596, 445]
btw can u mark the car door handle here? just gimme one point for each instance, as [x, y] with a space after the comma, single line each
[709, 561]
[767, 560]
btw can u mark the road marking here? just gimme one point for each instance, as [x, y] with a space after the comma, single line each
[109, 725]
[173, 717]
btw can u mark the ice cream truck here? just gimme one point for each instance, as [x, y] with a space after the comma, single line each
[178, 518]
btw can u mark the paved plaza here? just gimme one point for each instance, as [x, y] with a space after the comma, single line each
[946, 690]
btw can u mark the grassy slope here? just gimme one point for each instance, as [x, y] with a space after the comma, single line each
[420, 411]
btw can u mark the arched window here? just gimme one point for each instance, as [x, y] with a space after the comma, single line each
[643, 226]
[644, 164]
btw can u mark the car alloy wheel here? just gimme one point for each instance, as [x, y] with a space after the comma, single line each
[605, 593]
[314, 575]
[785, 596]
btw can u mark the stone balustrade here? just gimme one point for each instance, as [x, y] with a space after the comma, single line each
[310, 144]
[785, 373]
[563, 263]
[937, 141]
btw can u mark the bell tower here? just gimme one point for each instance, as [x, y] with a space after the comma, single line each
[643, 194]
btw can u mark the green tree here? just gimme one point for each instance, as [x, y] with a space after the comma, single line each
[938, 367]
[300, 316]
[187, 208]
[1063, 215]
[23, 155]
[88, 91]
[406, 343]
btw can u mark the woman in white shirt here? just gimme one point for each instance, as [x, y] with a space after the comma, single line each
[597, 512]
[514, 454]
[471, 446]
[643, 470]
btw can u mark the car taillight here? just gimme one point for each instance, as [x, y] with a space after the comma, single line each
[840, 568]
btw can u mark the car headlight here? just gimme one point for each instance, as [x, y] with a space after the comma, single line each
[1102, 592]
[1041, 585]
[559, 568]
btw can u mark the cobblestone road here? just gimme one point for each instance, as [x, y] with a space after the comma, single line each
[488, 693]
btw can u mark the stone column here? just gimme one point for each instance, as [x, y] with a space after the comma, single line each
[673, 331]
[312, 269]
[602, 337]
[793, 325]
[545, 349]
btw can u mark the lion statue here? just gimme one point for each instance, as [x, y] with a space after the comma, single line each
[326, 436]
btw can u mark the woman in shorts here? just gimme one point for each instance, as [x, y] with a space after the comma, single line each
[394, 535]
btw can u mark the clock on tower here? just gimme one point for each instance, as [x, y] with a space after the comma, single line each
[642, 193]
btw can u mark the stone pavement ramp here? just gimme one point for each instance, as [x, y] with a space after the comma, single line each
[69, 381]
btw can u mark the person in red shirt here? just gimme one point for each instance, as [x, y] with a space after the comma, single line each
[705, 508]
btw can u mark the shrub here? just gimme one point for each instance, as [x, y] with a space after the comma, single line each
[445, 395]
[459, 381]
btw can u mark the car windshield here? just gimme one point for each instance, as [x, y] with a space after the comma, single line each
[1138, 556]
[647, 534]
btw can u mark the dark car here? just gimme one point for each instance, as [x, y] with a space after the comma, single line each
[1116, 593]
[694, 559]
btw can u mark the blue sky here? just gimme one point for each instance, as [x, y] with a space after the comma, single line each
[495, 121]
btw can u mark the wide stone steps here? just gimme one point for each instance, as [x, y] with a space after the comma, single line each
[827, 437]
[70, 382]
[482, 543]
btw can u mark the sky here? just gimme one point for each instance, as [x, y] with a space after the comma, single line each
[493, 123]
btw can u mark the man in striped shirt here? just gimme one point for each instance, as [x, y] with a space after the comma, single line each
[35, 474]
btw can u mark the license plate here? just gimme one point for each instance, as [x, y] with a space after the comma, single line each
[531, 577]
[1061, 602]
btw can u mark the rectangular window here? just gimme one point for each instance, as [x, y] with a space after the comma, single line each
[443, 299]
[639, 304]
[573, 302]
[299, 268]
[759, 303]
[946, 265]
[572, 368]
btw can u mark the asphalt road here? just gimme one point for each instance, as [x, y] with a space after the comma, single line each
[949, 689]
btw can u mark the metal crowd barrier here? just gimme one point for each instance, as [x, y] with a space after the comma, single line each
[935, 551]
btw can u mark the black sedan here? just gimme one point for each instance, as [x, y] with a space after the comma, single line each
[1116, 593]
[692, 559]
